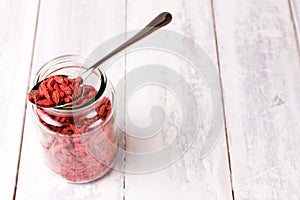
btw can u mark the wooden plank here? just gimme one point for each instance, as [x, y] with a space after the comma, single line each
[189, 177]
[260, 72]
[17, 21]
[68, 27]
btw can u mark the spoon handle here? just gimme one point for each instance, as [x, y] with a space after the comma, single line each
[158, 22]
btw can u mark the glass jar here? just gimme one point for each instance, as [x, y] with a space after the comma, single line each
[79, 143]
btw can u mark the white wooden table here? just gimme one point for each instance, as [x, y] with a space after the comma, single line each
[254, 43]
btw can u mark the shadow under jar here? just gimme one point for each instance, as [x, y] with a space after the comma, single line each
[80, 142]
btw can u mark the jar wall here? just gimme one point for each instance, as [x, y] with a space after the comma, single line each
[79, 144]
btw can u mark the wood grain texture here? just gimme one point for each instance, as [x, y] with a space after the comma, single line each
[17, 21]
[68, 27]
[260, 73]
[189, 177]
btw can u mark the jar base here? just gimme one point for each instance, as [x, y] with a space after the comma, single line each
[105, 172]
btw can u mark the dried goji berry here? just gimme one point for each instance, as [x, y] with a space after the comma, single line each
[45, 102]
[56, 97]
[73, 156]
[59, 79]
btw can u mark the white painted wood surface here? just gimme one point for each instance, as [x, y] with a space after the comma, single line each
[260, 72]
[68, 27]
[16, 38]
[189, 177]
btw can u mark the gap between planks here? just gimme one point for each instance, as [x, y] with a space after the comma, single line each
[222, 93]
[25, 106]
[125, 71]
[295, 24]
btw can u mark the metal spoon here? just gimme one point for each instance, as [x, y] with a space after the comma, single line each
[158, 22]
